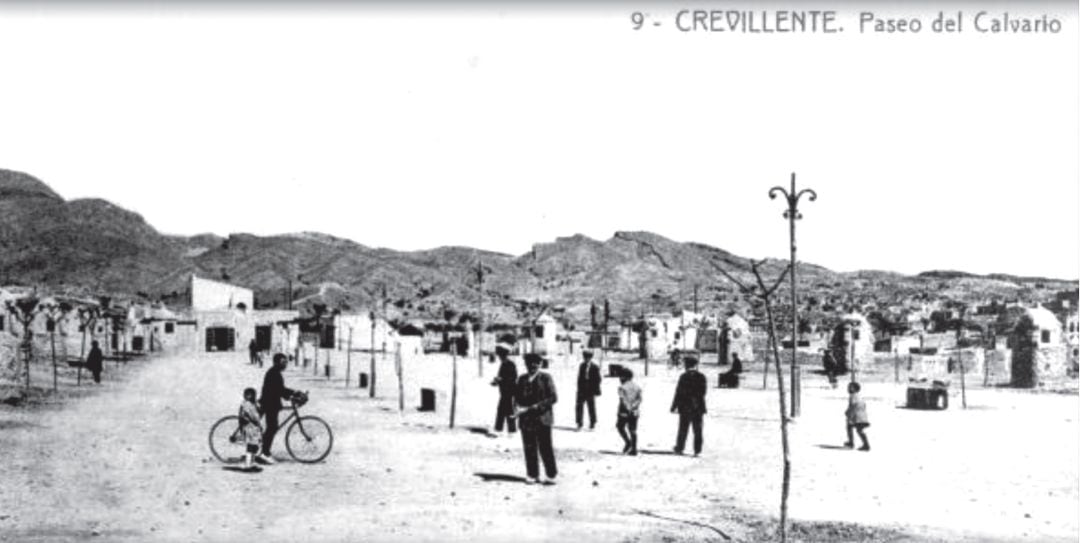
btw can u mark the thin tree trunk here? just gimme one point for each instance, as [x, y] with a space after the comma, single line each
[783, 423]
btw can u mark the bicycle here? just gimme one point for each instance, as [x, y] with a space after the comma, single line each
[308, 439]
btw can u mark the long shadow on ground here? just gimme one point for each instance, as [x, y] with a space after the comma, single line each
[482, 430]
[833, 447]
[241, 469]
[660, 452]
[499, 477]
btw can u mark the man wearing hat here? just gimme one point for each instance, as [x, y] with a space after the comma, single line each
[534, 397]
[506, 380]
[689, 403]
[588, 388]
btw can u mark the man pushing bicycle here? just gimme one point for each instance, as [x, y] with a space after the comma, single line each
[273, 391]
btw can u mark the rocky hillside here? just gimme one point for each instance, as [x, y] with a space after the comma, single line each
[92, 246]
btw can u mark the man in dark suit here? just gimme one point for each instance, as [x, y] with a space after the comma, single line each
[689, 403]
[506, 380]
[273, 391]
[533, 399]
[94, 361]
[588, 388]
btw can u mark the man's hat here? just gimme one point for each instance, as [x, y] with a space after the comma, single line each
[690, 361]
[532, 358]
[587, 353]
[502, 348]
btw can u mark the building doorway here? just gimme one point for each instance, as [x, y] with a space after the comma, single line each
[262, 338]
[220, 339]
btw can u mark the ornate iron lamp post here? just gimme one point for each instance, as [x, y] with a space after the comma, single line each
[792, 214]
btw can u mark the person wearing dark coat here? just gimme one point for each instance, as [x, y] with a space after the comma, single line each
[829, 362]
[730, 378]
[689, 403]
[506, 380]
[94, 361]
[273, 391]
[533, 399]
[588, 388]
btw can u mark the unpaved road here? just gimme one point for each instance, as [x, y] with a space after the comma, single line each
[130, 463]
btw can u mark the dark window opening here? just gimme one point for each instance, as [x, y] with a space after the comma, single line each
[220, 339]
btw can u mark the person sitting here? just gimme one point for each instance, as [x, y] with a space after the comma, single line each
[730, 378]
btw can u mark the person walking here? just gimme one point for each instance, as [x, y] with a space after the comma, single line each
[94, 361]
[533, 399]
[629, 410]
[506, 380]
[588, 388]
[273, 391]
[689, 403]
[253, 352]
[856, 417]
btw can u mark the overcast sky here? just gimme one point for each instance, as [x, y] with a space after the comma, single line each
[502, 126]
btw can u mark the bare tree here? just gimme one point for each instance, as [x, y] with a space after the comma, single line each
[25, 309]
[764, 294]
[88, 316]
[55, 312]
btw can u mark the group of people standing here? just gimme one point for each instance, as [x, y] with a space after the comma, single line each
[526, 402]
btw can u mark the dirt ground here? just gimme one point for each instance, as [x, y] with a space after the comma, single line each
[128, 461]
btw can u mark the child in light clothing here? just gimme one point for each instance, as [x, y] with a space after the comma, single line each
[629, 410]
[250, 428]
[856, 417]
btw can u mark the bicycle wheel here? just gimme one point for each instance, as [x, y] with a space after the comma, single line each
[309, 439]
[226, 440]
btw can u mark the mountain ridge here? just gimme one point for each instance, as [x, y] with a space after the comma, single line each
[90, 244]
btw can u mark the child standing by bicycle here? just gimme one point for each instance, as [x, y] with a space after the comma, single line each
[250, 429]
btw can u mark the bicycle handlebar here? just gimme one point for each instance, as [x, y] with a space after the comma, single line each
[299, 398]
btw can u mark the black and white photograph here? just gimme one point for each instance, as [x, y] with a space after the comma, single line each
[490, 271]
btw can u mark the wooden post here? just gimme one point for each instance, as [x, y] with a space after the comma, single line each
[453, 387]
[851, 361]
[52, 344]
[371, 391]
[960, 358]
[644, 342]
[963, 385]
[896, 368]
[479, 317]
[348, 359]
[400, 378]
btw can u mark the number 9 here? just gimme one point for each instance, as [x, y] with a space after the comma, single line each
[638, 19]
